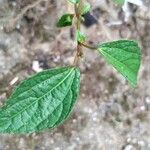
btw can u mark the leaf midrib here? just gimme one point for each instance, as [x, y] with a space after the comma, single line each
[128, 68]
[59, 105]
[36, 85]
[116, 60]
[53, 111]
[45, 94]
[138, 54]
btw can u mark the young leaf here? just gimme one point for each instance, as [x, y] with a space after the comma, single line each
[74, 1]
[65, 20]
[80, 36]
[42, 101]
[85, 8]
[119, 2]
[125, 56]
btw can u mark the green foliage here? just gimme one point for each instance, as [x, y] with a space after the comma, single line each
[119, 2]
[46, 99]
[74, 1]
[125, 56]
[42, 101]
[80, 36]
[86, 7]
[65, 20]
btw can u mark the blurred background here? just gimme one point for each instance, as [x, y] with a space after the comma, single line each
[109, 114]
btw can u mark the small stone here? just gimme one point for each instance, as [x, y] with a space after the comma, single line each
[141, 143]
[129, 147]
[14, 80]
[147, 100]
[142, 108]
[129, 140]
[36, 66]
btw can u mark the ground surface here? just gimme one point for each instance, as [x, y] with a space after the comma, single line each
[109, 114]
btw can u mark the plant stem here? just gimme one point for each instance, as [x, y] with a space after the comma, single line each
[88, 46]
[78, 24]
[79, 52]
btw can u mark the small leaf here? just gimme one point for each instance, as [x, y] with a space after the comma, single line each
[74, 1]
[119, 2]
[80, 36]
[42, 101]
[86, 7]
[125, 56]
[65, 20]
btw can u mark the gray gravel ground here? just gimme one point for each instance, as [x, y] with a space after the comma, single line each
[109, 114]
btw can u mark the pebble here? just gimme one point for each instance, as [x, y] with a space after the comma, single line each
[129, 147]
[141, 143]
[36, 66]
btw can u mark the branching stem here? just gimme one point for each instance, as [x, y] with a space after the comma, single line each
[79, 52]
[88, 46]
[78, 24]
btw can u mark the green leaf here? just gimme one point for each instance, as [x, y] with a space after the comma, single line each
[65, 20]
[125, 56]
[74, 1]
[42, 101]
[86, 7]
[119, 2]
[80, 36]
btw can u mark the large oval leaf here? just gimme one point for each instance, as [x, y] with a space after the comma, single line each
[125, 56]
[42, 101]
